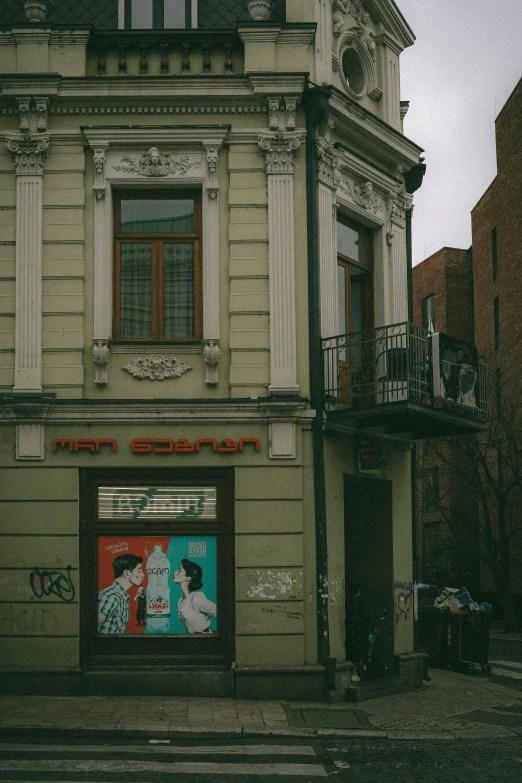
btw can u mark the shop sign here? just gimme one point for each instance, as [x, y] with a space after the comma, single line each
[157, 445]
[166, 585]
[165, 503]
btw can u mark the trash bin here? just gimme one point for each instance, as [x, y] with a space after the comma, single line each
[467, 640]
[455, 639]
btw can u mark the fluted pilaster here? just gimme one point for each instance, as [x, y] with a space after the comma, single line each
[280, 150]
[29, 154]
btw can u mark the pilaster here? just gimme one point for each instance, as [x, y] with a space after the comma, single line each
[279, 149]
[29, 153]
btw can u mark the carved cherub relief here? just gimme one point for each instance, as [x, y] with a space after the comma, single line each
[340, 9]
[368, 34]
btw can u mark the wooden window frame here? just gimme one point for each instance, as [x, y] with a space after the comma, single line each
[158, 15]
[345, 261]
[157, 650]
[157, 240]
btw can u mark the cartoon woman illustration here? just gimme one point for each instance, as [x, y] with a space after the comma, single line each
[141, 609]
[194, 608]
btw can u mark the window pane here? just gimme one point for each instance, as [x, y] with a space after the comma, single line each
[174, 13]
[428, 313]
[136, 290]
[141, 11]
[178, 303]
[353, 243]
[341, 294]
[156, 503]
[157, 215]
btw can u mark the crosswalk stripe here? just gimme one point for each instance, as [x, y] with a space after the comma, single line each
[131, 768]
[507, 664]
[228, 750]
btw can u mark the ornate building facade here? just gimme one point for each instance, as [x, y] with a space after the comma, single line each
[205, 396]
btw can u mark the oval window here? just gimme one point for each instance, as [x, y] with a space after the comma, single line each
[353, 71]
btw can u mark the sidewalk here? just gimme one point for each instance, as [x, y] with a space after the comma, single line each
[451, 706]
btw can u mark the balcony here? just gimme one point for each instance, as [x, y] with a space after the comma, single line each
[401, 380]
[165, 53]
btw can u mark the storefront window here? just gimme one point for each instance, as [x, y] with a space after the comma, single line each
[157, 566]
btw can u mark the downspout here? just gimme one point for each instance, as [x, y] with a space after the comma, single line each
[413, 181]
[316, 109]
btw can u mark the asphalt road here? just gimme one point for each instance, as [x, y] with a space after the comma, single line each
[343, 760]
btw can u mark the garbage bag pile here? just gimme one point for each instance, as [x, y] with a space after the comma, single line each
[459, 600]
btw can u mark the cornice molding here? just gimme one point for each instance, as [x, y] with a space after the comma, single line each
[192, 137]
[368, 132]
[270, 83]
[168, 412]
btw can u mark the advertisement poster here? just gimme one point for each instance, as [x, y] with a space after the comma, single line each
[157, 585]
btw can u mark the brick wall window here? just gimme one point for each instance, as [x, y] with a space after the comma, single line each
[494, 259]
[431, 488]
[428, 313]
[496, 321]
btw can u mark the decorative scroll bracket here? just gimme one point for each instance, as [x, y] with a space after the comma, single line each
[100, 357]
[212, 355]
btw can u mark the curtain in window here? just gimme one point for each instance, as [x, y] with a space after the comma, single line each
[136, 289]
[178, 303]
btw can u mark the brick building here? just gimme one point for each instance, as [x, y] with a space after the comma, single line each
[474, 295]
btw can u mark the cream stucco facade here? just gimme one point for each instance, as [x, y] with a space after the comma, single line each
[86, 115]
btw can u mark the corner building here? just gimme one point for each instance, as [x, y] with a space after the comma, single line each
[204, 328]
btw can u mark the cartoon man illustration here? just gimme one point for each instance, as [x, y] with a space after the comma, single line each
[113, 601]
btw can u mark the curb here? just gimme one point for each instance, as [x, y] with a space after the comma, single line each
[166, 734]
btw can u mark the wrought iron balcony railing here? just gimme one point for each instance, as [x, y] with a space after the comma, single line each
[404, 363]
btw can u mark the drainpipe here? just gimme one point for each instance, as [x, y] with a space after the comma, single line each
[316, 100]
[413, 181]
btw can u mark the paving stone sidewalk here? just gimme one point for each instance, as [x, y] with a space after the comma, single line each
[451, 706]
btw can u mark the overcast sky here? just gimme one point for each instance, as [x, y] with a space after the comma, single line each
[464, 65]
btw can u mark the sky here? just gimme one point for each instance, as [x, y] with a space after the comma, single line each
[465, 63]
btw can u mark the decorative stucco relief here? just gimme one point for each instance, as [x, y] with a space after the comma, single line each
[362, 194]
[212, 356]
[29, 153]
[100, 357]
[328, 162]
[158, 164]
[399, 202]
[156, 368]
[280, 150]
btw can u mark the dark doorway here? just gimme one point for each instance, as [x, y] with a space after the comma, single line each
[368, 542]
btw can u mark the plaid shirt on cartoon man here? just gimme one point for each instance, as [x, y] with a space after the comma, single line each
[114, 603]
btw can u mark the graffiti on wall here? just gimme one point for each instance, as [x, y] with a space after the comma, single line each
[403, 600]
[58, 583]
[16, 620]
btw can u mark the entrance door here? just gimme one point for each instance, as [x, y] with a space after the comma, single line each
[355, 302]
[368, 541]
[157, 568]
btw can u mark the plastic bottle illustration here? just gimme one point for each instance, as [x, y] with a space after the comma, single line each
[158, 591]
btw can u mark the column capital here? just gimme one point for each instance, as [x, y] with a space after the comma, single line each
[29, 153]
[280, 150]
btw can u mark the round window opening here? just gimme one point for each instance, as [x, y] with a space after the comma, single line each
[353, 71]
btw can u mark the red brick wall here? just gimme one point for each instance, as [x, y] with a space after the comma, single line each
[501, 208]
[445, 274]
